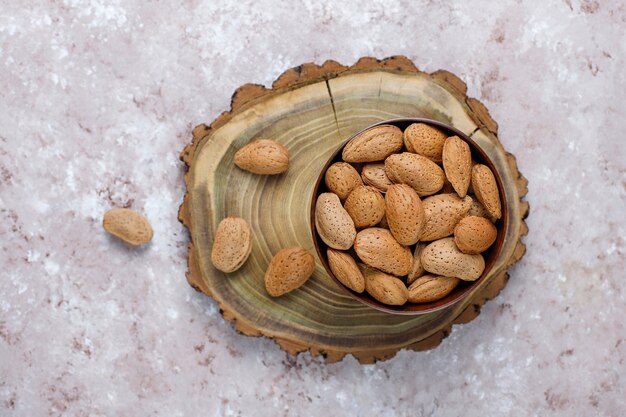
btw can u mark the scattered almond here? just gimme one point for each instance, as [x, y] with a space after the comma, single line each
[345, 269]
[232, 244]
[425, 176]
[378, 249]
[333, 223]
[374, 144]
[385, 288]
[405, 214]
[442, 257]
[289, 269]
[474, 234]
[366, 206]
[375, 176]
[341, 178]
[263, 156]
[425, 140]
[417, 270]
[486, 189]
[443, 212]
[457, 164]
[128, 225]
[431, 288]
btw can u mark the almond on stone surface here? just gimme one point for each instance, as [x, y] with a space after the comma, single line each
[128, 225]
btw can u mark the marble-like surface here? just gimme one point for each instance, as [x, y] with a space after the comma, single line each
[98, 97]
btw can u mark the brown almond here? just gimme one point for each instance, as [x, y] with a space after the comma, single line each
[289, 269]
[375, 176]
[417, 171]
[447, 188]
[479, 210]
[443, 212]
[374, 144]
[442, 257]
[333, 223]
[232, 244]
[405, 214]
[366, 206]
[385, 288]
[378, 249]
[457, 164]
[474, 234]
[345, 269]
[425, 140]
[341, 178]
[263, 156]
[431, 288]
[417, 270]
[128, 225]
[486, 189]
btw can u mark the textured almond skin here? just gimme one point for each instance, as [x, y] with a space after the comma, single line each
[405, 214]
[263, 156]
[341, 178]
[128, 225]
[431, 288]
[385, 288]
[442, 257]
[422, 174]
[366, 206]
[443, 212]
[457, 164]
[374, 175]
[425, 140]
[486, 189]
[474, 234]
[345, 269]
[479, 210]
[232, 244]
[333, 223]
[374, 144]
[378, 249]
[289, 269]
[417, 270]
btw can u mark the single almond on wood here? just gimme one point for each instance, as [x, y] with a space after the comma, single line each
[341, 178]
[431, 288]
[128, 225]
[378, 249]
[375, 176]
[417, 171]
[333, 223]
[443, 212]
[479, 210]
[345, 269]
[457, 164]
[417, 270]
[289, 269]
[486, 189]
[263, 156]
[366, 206]
[474, 234]
[232, 244]
[374, 144]
[405, 214]
[385, 288]
[442, 257]
[425, 140]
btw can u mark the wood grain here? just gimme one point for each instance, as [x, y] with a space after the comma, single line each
[311, 109]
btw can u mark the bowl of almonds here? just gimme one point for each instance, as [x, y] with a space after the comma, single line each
[408, 215]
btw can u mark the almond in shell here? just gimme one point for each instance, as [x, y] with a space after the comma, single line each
[374, 144]
[417, 270]
[333, 223]
[379, 249]
[457, 164]
[474, 234]
[442, 257]
[443, 212]
[385, 288]
[425, 140]
[405, 214]
[366, 206]
[374, 175]
[479, 210]
[345, 269]
[429, 288]
[417, 171]
[232, 244]
[263, 156]
[486, 189]
[289, 269]
[341, 178]
[128, 225]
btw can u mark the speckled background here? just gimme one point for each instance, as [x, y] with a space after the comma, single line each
[98, 98]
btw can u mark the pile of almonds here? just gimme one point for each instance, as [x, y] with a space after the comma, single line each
[412, 208]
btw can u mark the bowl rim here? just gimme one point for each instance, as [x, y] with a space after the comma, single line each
[502, 230]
